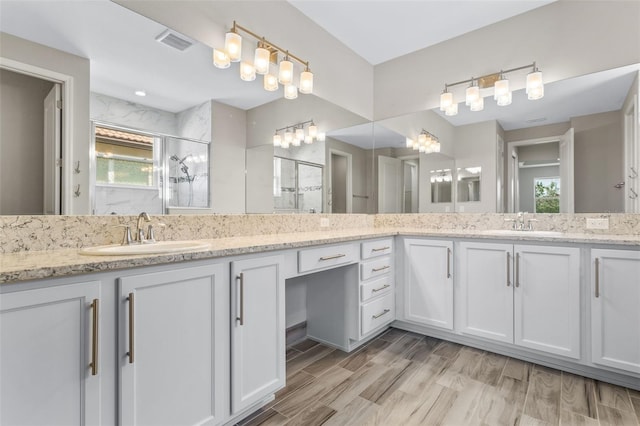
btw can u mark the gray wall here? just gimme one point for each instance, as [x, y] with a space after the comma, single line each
[21, 143]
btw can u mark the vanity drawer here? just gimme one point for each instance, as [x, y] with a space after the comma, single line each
[374, 268]
[326, 257]
[377, 313]
[375, 288]
[376, 248]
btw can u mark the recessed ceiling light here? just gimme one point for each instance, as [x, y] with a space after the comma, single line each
[140, 93]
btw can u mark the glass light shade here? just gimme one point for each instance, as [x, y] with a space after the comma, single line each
[285, 72]
[321, 137]
[261, 60]
[451, 110]
[270, 82]
[306, 82]
[233, 46]
[221, 59]
[409, 143]
[422, 139]
[422, 148]
[428, 149]
[436, 147]
[535, 88]
[300, 134]
[290, 91]
[288, 136]
[308, 139]
[477, 105]
[501, 88]
[295, 142]
[504, 100]
[247, 71]
[416, 146]
[313, 130]
[446, 100]
[277, 140]
[285, 144]
[472, 95]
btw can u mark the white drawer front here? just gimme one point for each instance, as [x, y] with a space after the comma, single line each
[326, 257]
[377, 313]
[375, 288]
[376, 248]
[374, 268]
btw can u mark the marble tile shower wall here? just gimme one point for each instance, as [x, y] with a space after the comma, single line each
[30, 233]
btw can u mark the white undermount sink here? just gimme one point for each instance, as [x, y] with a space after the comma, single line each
[513, 232]
[158, 247]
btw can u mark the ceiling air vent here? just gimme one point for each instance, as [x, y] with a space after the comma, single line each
[175, 40]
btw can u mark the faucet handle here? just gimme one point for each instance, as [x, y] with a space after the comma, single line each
[151, 236]
[530, 223]
[126, 237]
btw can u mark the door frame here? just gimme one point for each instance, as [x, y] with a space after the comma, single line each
[67, 88]
[348, 183]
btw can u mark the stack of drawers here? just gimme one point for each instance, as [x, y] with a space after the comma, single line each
[376, 285]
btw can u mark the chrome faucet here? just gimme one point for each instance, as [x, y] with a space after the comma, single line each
[139, 236]
[519, 222]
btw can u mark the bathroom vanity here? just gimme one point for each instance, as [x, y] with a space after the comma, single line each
[118, 340]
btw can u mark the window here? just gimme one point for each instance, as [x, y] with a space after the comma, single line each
[546, 194]
[124, 158]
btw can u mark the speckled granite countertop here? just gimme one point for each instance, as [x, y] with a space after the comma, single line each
[29, 265]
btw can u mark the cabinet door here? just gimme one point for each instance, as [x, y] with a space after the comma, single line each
[46, 343]
[547, 299]
[486, 295]
[615, 312]
[257, 331]
[428, 282]
[168, 347]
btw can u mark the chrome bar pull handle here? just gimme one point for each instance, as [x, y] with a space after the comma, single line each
[94, 337]
[597, 277]
[386, 311]
[380, 249]
[380, 269]
[131, 327]
[508, 269]
[517, 269]
[448, 262]
[337, 256]
[375, 290]
[240, 317]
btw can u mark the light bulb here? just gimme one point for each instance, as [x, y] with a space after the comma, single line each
[261, 60]
[285, 72]
[277, 140]
[452, 110]
[535, 88]
[446, 100]
[247, 71]
[300, 134]
[270, 82]
[422, 139]
[233, 46]
[472, 95]
[290, 91]
[221, 59]
[313, 130]
[306, 82]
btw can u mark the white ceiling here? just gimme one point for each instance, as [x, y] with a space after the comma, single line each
[381, 30]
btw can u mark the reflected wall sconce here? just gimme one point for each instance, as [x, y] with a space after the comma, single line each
[426, 143]
[294, 135]
[501, 92]
[265, 55]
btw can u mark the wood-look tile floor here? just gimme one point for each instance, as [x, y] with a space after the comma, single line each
[402, 378]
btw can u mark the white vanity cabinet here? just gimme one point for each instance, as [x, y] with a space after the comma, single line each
[50, 367]
[615, 308]
[170, 346]
[377, 301]
[257, 330]
[427, 291]
[523, 294]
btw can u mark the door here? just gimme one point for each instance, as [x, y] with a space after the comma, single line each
[566, 172]
[513, 170]
[48, 344]
[428, 282]
[257, 330]
[615, 317]
[547, 299]
[486, 295]
[389, 185]
[340, 190]
[169, 352]
[52, 150]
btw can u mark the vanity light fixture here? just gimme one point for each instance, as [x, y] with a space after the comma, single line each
[295, 135]
[426, 143]
[266, 52]
[502, 94]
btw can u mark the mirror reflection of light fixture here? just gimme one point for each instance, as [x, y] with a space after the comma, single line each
[425, 143]
[265, 53]
[502, 94]
[294, 135]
